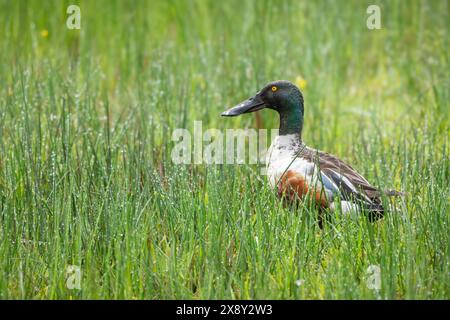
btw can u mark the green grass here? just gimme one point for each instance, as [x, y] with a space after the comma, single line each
[86, 178]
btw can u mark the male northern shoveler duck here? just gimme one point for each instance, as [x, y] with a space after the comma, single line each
[300, 172]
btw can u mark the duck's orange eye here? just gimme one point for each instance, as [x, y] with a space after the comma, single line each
[274, 88]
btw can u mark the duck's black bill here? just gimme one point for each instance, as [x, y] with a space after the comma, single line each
[250, 105]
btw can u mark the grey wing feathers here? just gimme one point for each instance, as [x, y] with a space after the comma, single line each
[352, 186]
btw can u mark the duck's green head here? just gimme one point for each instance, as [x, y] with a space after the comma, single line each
[281, 96]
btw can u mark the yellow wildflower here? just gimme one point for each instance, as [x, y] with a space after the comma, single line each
[301, 82]
[44, 33]
[200, 81]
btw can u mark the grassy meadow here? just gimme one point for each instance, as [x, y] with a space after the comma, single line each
[87, 179]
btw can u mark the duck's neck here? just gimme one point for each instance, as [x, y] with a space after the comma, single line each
[291, 118]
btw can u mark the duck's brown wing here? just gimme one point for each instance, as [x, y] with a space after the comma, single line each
[351, 185]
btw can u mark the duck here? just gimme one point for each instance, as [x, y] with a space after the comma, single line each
[300, 173]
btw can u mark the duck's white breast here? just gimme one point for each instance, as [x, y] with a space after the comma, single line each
[282, 156]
